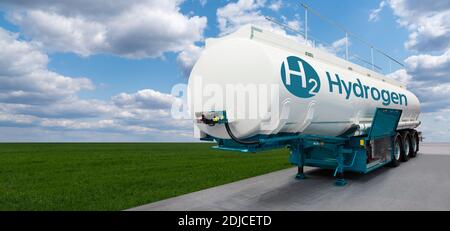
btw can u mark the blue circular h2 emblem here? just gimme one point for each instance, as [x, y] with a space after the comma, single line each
[299, 77]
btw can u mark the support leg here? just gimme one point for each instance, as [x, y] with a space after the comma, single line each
[340, 181]
[339, 173]
[298, 158]
[300, 175]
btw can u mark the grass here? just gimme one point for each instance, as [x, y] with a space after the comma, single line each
[106, 176]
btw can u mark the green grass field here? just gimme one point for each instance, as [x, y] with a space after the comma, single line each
[107, 176]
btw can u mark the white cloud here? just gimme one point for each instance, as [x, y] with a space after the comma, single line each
[233, 16]
[147, 98]
[433, 96]
[8, 119]
[134, 29]
[373, 16]
[40, 105]
[427, 22]
[24, 77]
[435, 126]
[203, 2]
[401, 75]
[430, 68]
[187, 58]
[37, 101]
[426, 73]
[339, 45]
[135, 118]
[275, 5]
[236, 14]
[294, 24]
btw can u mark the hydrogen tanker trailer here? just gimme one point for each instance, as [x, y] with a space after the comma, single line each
[255, 90]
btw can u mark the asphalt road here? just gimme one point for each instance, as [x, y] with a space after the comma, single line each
[422, 183]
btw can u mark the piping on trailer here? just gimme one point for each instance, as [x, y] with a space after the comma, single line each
[237, 140]
[215, 120]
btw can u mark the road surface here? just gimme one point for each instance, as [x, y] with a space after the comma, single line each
[422, 183]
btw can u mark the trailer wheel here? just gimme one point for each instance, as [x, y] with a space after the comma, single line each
[414, 144]
[397, 153]
[407, 147]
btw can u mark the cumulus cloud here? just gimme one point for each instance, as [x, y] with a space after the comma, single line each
[433, 93]
[141, 114]
[275, 5]
[373, 16]
[435, 126]
[339, 44]
[433, 97]
[426, 73]
[35, 99]
[401, 75]
[231, 17]
[187, 58]
[236, 14]
[147, 98]
[427, 21]
[24, 77]
[203, 2]
[430, 68]
[336, 47]
[133, 29]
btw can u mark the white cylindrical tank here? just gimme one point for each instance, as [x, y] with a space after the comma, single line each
[299, 89]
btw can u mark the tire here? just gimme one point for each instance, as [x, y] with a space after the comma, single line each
[396, 155]
[407, 147]
[414, 144]
[417, 142]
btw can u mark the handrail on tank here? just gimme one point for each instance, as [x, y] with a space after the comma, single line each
[347, 32]
[310, 39]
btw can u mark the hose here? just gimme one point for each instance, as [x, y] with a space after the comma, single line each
[237, 140]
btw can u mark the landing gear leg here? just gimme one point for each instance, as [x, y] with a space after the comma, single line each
[300, 175]
[297, 157]
[340, 181]
[339, 173]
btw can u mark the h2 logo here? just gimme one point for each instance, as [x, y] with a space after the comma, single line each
[299, 77]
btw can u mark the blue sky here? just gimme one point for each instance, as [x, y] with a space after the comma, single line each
[96, 71]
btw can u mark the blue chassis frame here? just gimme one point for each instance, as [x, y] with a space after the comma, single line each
[342, 153]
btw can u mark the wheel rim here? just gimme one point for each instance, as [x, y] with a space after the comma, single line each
[407, 147]
[414, 145]
[397, 151]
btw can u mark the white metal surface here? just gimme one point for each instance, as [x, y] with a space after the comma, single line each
[252, 56]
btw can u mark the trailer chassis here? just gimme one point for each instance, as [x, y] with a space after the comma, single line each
[362, 153]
